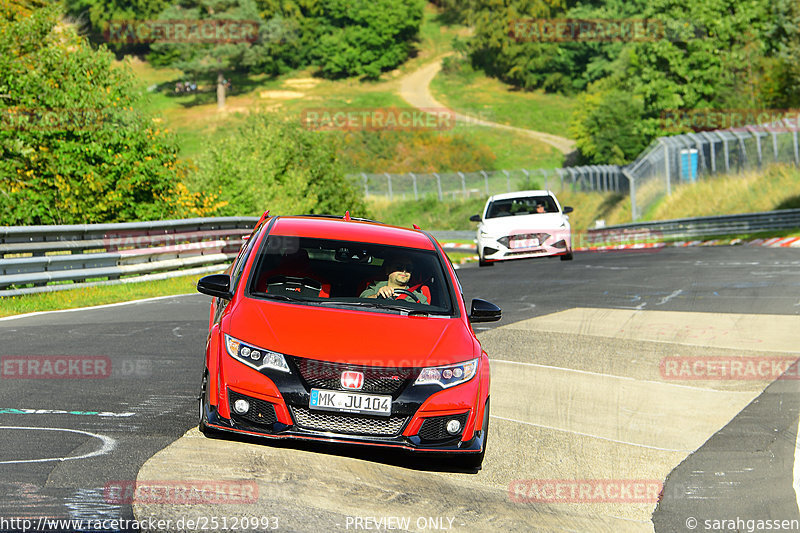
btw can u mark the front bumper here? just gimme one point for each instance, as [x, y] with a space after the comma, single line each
[279, 409]
[499, 248]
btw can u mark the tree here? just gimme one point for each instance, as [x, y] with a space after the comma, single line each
[72, 148]
[272, 164]
[196, 56]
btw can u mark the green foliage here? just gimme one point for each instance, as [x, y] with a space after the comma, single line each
[72, 148]
[366, 37]
[208, 60]
[419, 151]
[607, 126]
[272, 164]
[714, 54]
[94, 17]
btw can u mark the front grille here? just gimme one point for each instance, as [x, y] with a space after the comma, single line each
[347, 423]
[261, 412]
[434, 428]
[327, 375]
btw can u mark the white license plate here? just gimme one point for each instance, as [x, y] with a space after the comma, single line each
[524, 243]
[350, 402]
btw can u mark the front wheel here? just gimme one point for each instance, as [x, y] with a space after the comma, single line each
[567, 256]
[201, 424]
[475, 461]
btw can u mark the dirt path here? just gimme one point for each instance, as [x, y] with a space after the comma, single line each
[415, 89]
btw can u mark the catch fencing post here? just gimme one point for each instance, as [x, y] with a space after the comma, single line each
[439, 185]
[389, 181]
[414, 179]
[463, 184]
[486, 180]
[366, 187]
[508, 181]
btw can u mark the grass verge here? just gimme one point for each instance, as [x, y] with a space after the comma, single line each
[100, 295]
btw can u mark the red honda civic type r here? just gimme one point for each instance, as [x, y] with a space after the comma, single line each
[349, 331]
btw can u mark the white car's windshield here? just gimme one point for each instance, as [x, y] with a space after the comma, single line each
[527, 205]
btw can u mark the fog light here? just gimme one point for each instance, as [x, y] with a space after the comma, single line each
[454, 427]
[242, 406]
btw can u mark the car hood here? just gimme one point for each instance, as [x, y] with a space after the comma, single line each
[523, 223]
[356, 337]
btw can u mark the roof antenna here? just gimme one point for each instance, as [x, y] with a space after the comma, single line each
[347, 215]
[416, 227]
[263, 217]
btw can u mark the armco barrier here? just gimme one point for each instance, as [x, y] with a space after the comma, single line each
[686, 228]
[33, 258]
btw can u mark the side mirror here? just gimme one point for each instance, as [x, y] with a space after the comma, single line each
[567, 209]
[475, 218]
[217, 285]
[483, 311]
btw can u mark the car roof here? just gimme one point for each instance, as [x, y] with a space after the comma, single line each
[519, 194]
[351, 230]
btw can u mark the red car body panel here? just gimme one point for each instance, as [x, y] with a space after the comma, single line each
[353, 337]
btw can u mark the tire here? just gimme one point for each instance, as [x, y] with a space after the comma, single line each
[201, 423]
[475, 461]
[567, 257]
[482, 263]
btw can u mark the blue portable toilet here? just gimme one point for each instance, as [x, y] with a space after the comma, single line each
[689, 164]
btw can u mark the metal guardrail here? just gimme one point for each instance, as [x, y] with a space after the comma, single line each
[32, 258]
[785, 219]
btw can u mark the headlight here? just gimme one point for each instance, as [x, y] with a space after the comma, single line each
[255, 357]
[448, 376]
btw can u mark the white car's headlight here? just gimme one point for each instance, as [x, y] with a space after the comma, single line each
[449, 375]
[255, 357]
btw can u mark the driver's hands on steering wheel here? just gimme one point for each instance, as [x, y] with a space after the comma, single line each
[385, 292]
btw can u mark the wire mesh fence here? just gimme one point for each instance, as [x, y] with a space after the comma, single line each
[683, 159]
[453, 185]
[666, 164]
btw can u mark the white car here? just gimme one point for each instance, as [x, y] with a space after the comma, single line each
[521, 225]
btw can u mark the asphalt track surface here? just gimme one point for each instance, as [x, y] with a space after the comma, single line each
[577, 394]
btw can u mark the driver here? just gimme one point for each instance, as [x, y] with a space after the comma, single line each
[398, 270]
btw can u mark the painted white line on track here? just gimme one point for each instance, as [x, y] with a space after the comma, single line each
[626, 378]
[590, 435]
[665, 299]
[97, 306]
[796, 470]
[108, 445]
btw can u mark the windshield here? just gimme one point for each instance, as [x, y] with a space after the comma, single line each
[527, 205]
[364, 276]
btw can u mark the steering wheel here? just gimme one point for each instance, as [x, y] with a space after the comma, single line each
[407, 293]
